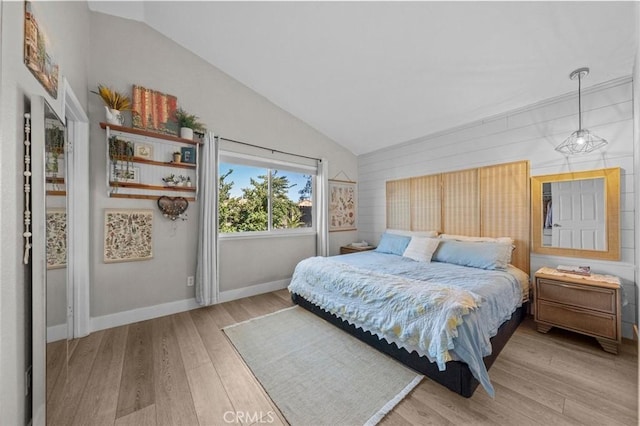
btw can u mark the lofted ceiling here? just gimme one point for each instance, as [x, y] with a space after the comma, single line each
[373, 74]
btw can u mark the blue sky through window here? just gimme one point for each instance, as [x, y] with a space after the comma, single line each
[241, 178]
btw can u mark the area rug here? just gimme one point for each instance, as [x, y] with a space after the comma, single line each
[318, 374]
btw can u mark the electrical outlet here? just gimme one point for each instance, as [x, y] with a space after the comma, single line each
[190, 281]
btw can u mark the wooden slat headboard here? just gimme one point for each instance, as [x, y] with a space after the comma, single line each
[491, 201]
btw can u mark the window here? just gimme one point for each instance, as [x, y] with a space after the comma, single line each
[258, 195]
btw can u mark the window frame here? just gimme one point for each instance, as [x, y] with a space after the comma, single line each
[270, 165]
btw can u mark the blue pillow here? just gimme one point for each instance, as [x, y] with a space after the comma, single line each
[393, 244]
[483, 255]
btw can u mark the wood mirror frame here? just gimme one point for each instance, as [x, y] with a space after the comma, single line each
[612, 208]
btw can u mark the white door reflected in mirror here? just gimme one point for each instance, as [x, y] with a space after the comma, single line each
[574, 214]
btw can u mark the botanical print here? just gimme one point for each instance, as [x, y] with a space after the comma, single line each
[36, 57]
[56, 238]
[127, 235]
[121, 172]
[144, 150]
[342, 206]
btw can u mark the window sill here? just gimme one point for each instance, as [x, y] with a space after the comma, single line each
[260, 235]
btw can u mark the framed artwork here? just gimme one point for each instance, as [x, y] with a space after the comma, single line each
[37, 53]
[143, 150]
[342, 206]
[127, 235]
[188, 155]
[154, 111]
[56, 225]
[120, 172]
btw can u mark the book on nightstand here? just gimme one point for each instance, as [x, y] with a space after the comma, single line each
[579, 270]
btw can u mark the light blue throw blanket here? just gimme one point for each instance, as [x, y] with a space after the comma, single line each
[442, 311]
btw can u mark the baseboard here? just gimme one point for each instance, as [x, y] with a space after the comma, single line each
[142, 314]
[228, 295]
[56, 332]
[150, 312]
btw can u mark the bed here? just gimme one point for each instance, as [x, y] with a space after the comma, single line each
[381, 298]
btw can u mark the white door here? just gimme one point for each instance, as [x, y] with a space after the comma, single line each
[578, 214]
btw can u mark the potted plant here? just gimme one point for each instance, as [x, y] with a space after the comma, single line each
[170, 180]
[177, 157]
[114, 104]
[187, 123]
[54, 147]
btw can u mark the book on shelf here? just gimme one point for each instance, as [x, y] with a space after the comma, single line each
[579, 270]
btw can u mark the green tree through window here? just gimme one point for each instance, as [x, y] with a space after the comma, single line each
[248, 210]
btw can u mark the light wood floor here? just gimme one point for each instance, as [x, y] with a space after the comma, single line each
[182, 370]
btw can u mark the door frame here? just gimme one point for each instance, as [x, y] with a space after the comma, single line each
[78, 226]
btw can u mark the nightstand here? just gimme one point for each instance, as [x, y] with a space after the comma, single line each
[352, 249]
[589, 305]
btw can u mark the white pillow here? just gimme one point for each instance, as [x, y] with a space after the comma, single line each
[421, 248]
[412, 233]
[506, 240]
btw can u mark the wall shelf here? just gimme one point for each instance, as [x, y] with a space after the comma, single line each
[58, 180]
[147, 133]
[144, 197]
[57, 193]
[153, 187]
[142, 178]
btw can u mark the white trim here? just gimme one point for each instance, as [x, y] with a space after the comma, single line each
[56, 332]
[78, 227]
[259, 161]
[141, 314]
[280, 233]
[228, 295]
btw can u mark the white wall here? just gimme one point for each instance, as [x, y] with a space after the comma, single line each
[529, 133]
[66, 24]
[636, 135]
[125, 52]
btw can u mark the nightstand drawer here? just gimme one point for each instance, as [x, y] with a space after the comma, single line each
[593, 323]
[584, 296]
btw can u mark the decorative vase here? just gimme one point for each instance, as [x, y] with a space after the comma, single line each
[114, 116]
[186, 133]
[177, 158]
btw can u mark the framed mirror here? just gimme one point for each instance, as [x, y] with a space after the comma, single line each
[577, 214]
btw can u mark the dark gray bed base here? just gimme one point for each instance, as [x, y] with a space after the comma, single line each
[457, 377]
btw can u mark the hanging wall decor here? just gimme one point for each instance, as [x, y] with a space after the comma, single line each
[37, 54]
[127, 235]
[154, 111]
[56, 224]
[342, 205]
[173, 207]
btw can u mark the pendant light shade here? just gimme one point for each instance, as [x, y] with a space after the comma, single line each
[582, 141]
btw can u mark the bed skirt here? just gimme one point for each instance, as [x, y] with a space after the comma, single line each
[457, 376]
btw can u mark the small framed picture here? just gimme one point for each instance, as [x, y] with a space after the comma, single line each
[143, 150]
[121, 173]
[188, 155]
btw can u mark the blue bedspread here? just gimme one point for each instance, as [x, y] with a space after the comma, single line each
[446, 311]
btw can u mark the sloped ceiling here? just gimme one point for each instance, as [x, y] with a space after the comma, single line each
[373, 74]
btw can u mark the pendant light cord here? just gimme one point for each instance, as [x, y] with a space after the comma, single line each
[579, 102]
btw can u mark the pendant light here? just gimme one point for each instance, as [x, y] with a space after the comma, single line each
[581, 141]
